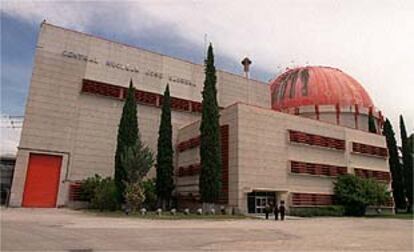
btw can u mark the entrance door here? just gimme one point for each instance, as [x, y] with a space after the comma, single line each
[257, 201]
[261, 202]
[42, 181]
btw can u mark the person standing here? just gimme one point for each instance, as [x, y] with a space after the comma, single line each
[276, 212]
[282, 210]
[267, 210]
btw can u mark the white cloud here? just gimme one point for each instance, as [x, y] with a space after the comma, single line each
[370, 40]
[75, 15]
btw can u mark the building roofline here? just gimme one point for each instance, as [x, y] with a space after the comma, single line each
[283, 113]
[302, 117]
[143, 49]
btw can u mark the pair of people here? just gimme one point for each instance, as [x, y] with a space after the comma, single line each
[281, 209]
[276, 210]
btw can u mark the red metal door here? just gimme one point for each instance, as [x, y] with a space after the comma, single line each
[42, 181]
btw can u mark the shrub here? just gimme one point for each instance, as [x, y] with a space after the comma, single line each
[137, 161]
[88, 186]
[105, 197]
[150, 201]
[134, 195]
[317, 211]
[356, 194]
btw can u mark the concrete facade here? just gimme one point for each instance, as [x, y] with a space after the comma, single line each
[61, 119]
[75, 103]
[260, 154]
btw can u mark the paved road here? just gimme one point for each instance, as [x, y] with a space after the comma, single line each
[66, 230]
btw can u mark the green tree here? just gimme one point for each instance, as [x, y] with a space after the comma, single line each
[407, 164]
[210, 154]
[356, 194]
[127, 137]
[371, 124]
[136, 161]
[397, 183]
[165, 170]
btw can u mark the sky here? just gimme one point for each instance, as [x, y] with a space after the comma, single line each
[371, 40]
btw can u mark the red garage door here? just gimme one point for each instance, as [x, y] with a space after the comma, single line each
[42, 181]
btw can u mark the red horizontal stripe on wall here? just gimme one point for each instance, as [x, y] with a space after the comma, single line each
[101, 88]
[196, 106]
[142, 97]
[189, 144]
[378, 175]
[195, 169]
[369, 149]
[312, 199]
[317, 169]
[316, 140]
[190, 170]
[145, 97]
[180, 104]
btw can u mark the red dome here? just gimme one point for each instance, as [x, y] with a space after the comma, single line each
[317, 86]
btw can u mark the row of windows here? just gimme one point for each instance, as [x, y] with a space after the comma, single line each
[142, 97]
[369, 149]
[317, 169]
[316, 140]
[312, 199]
[190, 170]
[333, 171]
[378, 175]
[195, 169]
[189, 144]
[339, 144]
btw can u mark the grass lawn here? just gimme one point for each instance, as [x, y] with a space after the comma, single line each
[166, 215]
[403, 216]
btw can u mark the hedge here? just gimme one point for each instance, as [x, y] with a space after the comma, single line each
[317, 211]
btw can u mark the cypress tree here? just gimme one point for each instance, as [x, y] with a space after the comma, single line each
[127, 137]
[165, 171]
[407, 164]
[397, 183]
[210, 154]
[371, 124]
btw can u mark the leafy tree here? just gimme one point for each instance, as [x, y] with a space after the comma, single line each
[356, 194]
[371, 124]
[397, 183]
[165, 169]
[136, 161]
[127, 137]
[407, 164]
[210, 155]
